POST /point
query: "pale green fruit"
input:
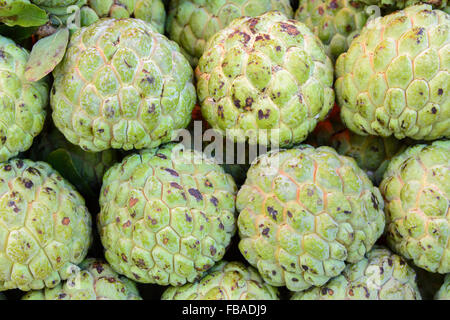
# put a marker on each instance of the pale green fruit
(381, 275)
(122, 85)
(444, 291)
(22, 103)
(45, 227)
(191, 23)
(416, 190)
(151, 11)
(166, 216)
(265, 79)
(394, 79)
(95, 280)
(225, 281)
(335, 22)
(59, 8)
(304, 214)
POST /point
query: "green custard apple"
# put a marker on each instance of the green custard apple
(394, 78)
(22, 103)
(335, 22)
(416, 190)
(191, 23)
(304, 214)
(151, 11)
(45, 227)
(381, 275)
(167, 215)
(265, 79)
(444, 291)
(225, 281)
(83, 169)
(121, 85)
(95, 280)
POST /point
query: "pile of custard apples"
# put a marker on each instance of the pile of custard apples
(347, 102)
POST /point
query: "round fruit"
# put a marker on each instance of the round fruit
(225, 281)
(83, 169)
(382, 275)
(22, 102)
(335, 22)
(304, 213)
(45, 227)
(394, 78)
(167, 215)
(265, 79)
(123, 85)
(416, 190)
(444, 291)
(95, 281)
(151, 11)
(192, 23)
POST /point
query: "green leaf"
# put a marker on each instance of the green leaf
(22, 13)
(46, 54)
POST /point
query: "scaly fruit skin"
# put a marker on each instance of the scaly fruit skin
(265, 78)
(225, 281)
(166, 216)
(192, 23)
(123, 85)
(401, 4)
(45, 227)
(304, 213)
(444, 291)
(335, 22)
(83, 169)
(417, 196)
(394, 78)
(22, 102)
(381, 275)
(151, 11)
(95, 281)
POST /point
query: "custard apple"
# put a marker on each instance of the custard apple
(416, 190)
(304, 213)
(444, 291)
(335, 22)
(394, 79)
(45, 227)
(83, 169)
(372, 153)
(381, 275)
(151, 11)
(122, 85)
(22, 102)
(225, 281)
(95, 280)
(266, 79)
(167, 215)
(191, 23)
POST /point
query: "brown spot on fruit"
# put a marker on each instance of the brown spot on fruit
(132, 202)
(65, 221)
